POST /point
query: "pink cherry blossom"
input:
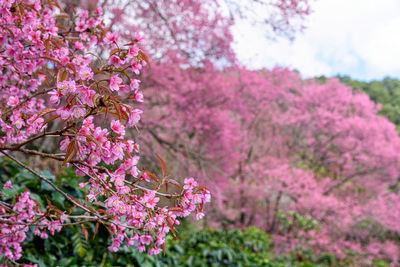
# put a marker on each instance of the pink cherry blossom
(116, 61)
(115, 82)
(190, 183)
(111, 37)
(12, 101)
(117, 127)
(133, 51)
(8, 184)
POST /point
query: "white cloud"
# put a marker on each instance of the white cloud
(355, 37)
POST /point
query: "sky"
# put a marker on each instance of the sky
(359, 38)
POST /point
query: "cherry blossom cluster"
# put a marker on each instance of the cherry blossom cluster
(141, 212)
(16, 220)
(69, 70)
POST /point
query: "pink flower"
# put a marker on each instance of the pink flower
(85, 73)
(140, 247)
(78, 111)
(64, 60)
(154, 251)
(35, 37)
(81, 26)
(7, 185)
(134, 84)
(190, 183)
(115, 245)
(117, 127)
(91, 23)
(83, 36)
(114, 60)
(149, 200)
(198, 215)
(138, 37)
(82, 185)
(133, 51)
(115, 81)
(64, 112)
(54, 226)
(83, 14)
(118, 151)
(136, 67)
(66, 87)
(78, 45)
(13, 101)
(64, 144)
(130, 242)
(134, 117)
(146, 239)
(111, 38)
(207, 196)
(93, 39)
(55, 97)
(160, 241)
(138, 96)
(145, 177)
(87, 96)
(100, 135)
(99, 11)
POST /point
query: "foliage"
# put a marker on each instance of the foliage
(385, 92)
(220, 247)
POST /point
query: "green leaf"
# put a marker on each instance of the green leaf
(79, 244)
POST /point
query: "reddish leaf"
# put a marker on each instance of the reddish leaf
(145, 58)
(52, 118)
(114, 51)
(85, 232)
(52, 59)
(55, 39)
(44, 112)
(47, 46)
(37, 202)
(71, 152)
(118, 109)
(62, 75)
(176, 209)
(171, 226)
(162, 164)
(105, 88)
(96, 228)
(152, 176)
(72, 67)
(62, 15)
(174, 183)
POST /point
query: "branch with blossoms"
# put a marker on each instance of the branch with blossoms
(51, 75)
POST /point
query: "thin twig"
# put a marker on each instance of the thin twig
(50, 183)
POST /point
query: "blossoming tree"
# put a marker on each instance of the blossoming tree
(52, 73)
(307, 162)
(303, 160)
